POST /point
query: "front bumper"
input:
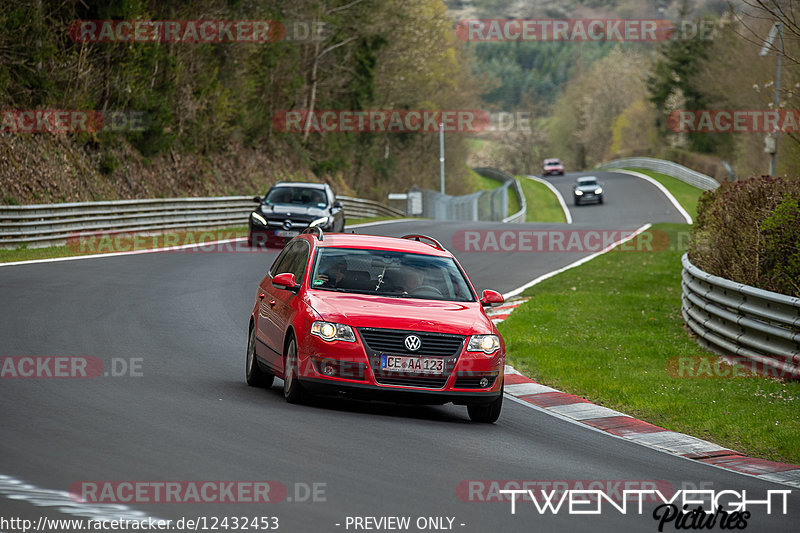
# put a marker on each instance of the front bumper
(353, 369)
(367, 391)
(589, 197)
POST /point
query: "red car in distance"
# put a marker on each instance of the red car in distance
(373, 317)
(552, 166)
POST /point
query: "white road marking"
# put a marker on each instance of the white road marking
(524, 389)
(584, 411)
(677, 443)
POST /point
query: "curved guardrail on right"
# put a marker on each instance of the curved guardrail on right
(687, 175)
(740, 321)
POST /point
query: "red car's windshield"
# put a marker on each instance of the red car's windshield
(390, 273)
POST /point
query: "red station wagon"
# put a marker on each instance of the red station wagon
(384, 318)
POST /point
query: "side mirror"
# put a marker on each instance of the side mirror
(257, 199)
(286, 281)
(491, 298)
(338, 205)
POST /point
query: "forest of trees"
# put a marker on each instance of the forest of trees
(210, 107)
(206, 102)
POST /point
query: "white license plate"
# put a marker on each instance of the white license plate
(286, 233)
(423, 365)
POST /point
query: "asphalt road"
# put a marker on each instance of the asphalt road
(186, 414)
(625, 200)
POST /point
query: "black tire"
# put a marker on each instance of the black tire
(577, 202)
(254, 374)
(486, 413)
(600, 200)
(293, 391)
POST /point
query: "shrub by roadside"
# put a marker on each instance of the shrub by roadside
(749, 231)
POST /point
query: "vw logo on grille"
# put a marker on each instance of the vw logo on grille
(413, 343)
(287, 224)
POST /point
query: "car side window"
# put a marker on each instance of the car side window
(293, 259)
(299, 259)
(283, 259)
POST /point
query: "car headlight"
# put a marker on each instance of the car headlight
(330, 331)
(487, 344)
(598, 190)
(258, 218)
(321, 222)
(578, 192)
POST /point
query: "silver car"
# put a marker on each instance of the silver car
(587, 189)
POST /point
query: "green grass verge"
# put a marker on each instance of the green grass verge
(687, 195)
(542, 204)
(606, 331)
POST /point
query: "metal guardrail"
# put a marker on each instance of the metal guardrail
(669, 168)
(361, 208)
(740, 321)
(52, 224)
(508, 181)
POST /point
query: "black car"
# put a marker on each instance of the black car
(586, 189)
(288, 208)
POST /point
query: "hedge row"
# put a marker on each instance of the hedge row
(749, 231)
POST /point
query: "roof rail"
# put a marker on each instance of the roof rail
(430, 240)
(315, 229)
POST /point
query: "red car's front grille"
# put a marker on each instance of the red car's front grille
(392, 341)
(380, 342)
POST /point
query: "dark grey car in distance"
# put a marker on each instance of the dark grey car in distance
(288, 208)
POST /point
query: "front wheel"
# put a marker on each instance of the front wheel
(256, 377)
(487, 413)
(292, 389)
